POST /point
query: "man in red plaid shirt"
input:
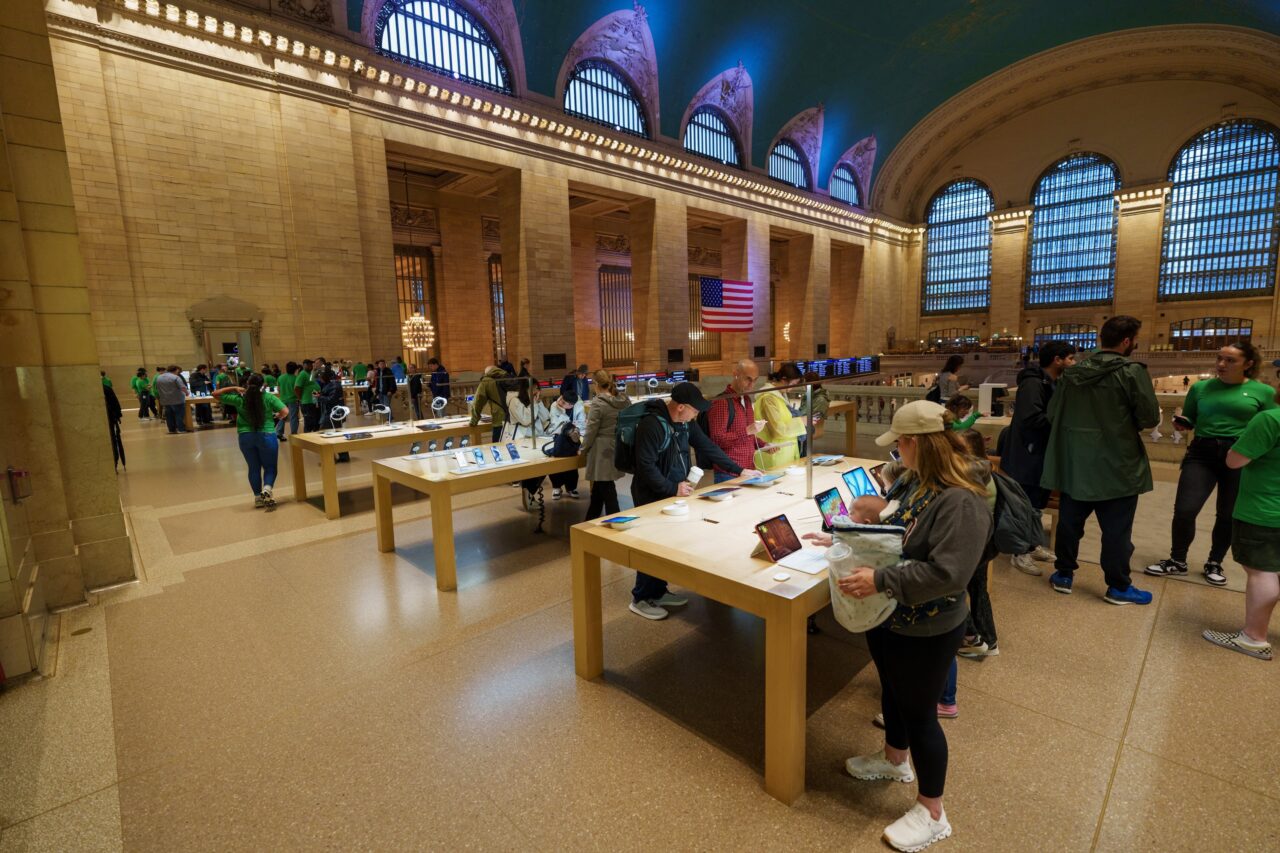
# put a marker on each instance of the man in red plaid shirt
(732, 419)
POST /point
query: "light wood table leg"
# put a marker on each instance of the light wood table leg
(329, 477)
(442, 540)
(785, 662)
(188, 422)
(382, 513)
(588, 628)
(299, 472)
(851, 433)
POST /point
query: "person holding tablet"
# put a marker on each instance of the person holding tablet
(781, 428)
(1218, 409)
(949, 531)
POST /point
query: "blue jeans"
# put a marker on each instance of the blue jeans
(292, 419)
(173, 418)
(721, 476)
(261, 450)
(949, 692)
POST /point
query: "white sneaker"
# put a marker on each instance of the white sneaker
(868, 767)
(555, 494)
(916, 830)
(648, 610)
(1026, 563)
(670, 599)
(1043, 554)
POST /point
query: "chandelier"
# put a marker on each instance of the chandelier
(417, 333)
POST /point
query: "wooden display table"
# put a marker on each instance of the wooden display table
(848, 408)
(432, 478)
(714, 560)
(991, 427)
(405, 434)
(188, 412)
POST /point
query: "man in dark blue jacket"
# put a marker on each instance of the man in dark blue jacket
(439, 381)
(1024, 447)
(662, 441)
(578, 383)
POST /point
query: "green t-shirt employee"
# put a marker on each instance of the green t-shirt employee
(1220, 410)
(234, 397)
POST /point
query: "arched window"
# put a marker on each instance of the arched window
(441, 36)
(843, 186)
(951, 340)
(1209, 333)
(1073, 233)
(1079, 335)
(597, 92)
(1221, 222)
(957, 249)
(708, 134)
(787, 165)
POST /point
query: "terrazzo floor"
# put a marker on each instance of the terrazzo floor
(275, 683)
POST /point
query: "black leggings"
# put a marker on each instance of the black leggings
(982, 622)
(604, 499)
(913, 672)
(1204, 467)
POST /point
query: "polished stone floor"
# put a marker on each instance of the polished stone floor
(274, 683)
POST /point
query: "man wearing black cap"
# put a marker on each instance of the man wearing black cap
(577, 383)
(663, 438)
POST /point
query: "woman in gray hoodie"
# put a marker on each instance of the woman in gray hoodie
(598, 444)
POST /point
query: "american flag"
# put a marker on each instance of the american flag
(727, 306)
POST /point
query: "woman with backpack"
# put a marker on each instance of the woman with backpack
(568, 425)
(948, 533)
(256, 414)
(948, 384)
(598, 443)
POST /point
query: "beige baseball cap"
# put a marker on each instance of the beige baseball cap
(917, 418)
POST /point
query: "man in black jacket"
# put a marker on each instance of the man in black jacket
(662, 441)
(382, 383)
(1023, 458)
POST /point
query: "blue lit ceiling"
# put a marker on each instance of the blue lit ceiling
(877, 67)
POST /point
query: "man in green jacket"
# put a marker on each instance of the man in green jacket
(1095, 456)
(489, 394)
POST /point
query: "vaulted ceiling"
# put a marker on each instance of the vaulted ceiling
(877, 67)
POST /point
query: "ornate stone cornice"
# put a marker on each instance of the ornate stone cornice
(702, 256)
(732, 93)
(623, 40)
(805, 130)
(312, 11)
(1241, 57)
(861, 158)
(414, 217)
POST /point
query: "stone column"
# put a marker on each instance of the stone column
(377, 250)
(744, 256)
(537, 268)
(462, 291)
(54, 424)
(846, 338)
(660, 280)
(1139, 233)
(1009, 235)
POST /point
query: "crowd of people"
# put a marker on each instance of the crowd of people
(1074, 437)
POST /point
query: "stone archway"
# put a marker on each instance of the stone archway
(224, 320)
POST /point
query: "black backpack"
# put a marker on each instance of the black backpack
(704, 418)
(624, 448)
(565, 442)
(1018, 529)
(935, 394)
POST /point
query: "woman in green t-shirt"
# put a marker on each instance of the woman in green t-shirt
(256, 416)
(1218, 409)
(1255, 533)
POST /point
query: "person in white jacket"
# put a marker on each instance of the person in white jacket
(567, 409)
(522, 409)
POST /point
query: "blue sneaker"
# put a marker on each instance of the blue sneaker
(1061, 583)
(1132, 595)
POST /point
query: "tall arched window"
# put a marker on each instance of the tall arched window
(441, 36)
(957, 249)
(1080, 335)
(1072, 252)
(843, 186)
(951, 340)
(708, 134)
(1222, 221)
(597, 92)
(1209, 333)
(786, 164)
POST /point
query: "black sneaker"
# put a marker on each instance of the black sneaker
(1214, 574)
(1168, 567)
